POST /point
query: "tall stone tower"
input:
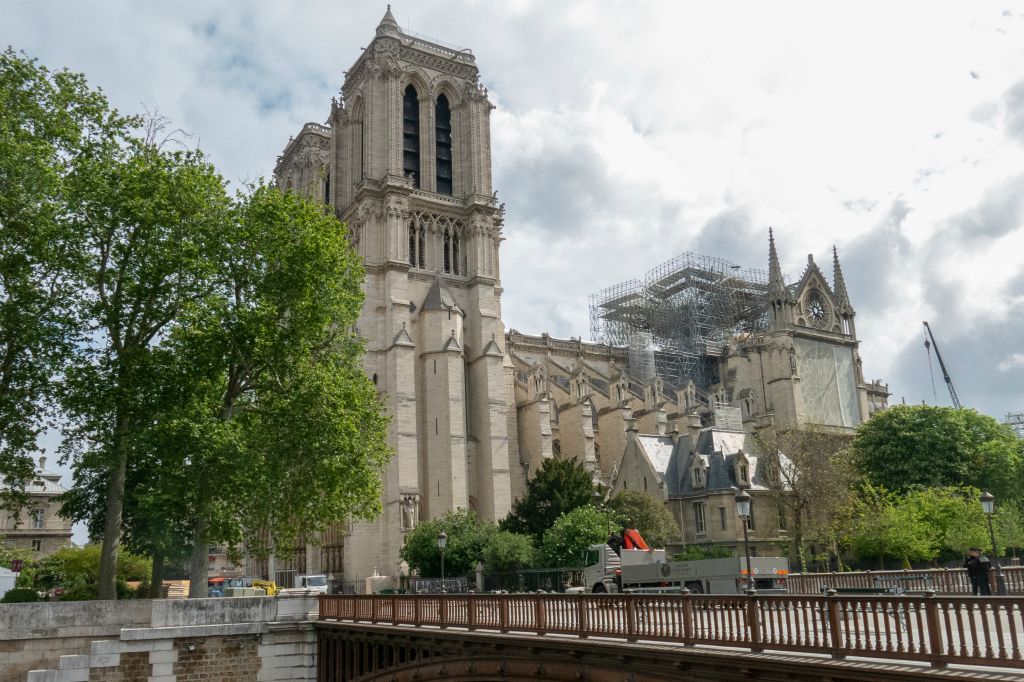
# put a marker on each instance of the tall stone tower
(405, 161)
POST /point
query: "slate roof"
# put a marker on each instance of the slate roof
(659, 451)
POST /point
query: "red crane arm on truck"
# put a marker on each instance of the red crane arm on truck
(631, 539)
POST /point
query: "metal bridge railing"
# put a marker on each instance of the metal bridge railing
(933, 628)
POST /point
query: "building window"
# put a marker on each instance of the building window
(443, 131)
(721, 517)
(753, 512)
(698, 518)
(556, 448)
(698, 476)
(37, 519)
(743, 473)
(450, 243)
(37, 545)
(411, 136)
(417, 258)
(327, 188)
(782, 516)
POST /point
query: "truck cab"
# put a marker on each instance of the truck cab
(316, 582)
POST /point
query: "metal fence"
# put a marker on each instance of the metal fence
(941, 580)
(532, 580)
(937, 629)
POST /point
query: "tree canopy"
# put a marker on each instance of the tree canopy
(926, 446)
(467, 538)
(559, 486)
(51, 126)
(576, 530)
(647, 514)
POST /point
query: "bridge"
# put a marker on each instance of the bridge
(662, 637)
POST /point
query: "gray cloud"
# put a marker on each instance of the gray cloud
(1014, 114)
(1000, 211)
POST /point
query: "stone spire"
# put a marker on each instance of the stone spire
(776, 287)
(839, 284)
(388, 23)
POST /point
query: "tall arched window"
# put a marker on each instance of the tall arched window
(327, 188)
(447, 257)
(411, 136)
(416, 255)
(443, 123)
(412, 246)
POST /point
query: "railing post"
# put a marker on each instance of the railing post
(835, 634)
(538, 613)
(503, 613)
(753, 621)
(471, 612)
(630, 617)
(931, 612)
(442, 610)
(394, 609)
(417, 620)
(688, 628)
(582, 617)
(374, 608)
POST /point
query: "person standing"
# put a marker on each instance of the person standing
(978, 567)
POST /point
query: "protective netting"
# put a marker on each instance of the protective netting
(827, 383)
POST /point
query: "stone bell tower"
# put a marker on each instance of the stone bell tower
(409, 171)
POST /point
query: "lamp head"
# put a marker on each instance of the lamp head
(442, 539)
(988, 502)
(743, 504)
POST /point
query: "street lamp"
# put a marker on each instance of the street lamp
(442, 542)
(596, 497)
(743, 511)
(988, 505)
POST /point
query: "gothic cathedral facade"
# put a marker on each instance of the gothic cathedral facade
(406, 163)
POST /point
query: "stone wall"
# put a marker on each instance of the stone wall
(253, 638)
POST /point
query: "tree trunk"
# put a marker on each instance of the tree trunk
(198, 565)
(156, 581)
(107, 588)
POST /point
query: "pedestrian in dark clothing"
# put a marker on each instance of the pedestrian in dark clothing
(978, 567)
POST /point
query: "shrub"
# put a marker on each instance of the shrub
(20, 595)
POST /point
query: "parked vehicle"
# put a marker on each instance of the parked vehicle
(316, 582)
(649, 571)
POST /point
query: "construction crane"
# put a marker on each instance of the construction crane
(942, 365)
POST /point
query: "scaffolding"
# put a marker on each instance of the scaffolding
(1016, 422)
(681, 316)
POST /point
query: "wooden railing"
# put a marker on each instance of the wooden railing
(937, 629)
(941, 580)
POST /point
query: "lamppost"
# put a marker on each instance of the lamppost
(596, 497)
(442, 542)
(988, 505)
(743, 511)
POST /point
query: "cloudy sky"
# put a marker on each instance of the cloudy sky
(629, 132)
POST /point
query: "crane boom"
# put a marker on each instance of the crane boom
(945, 373)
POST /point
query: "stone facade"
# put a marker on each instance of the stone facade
(404, 159)
(38, 527)
(247, 638)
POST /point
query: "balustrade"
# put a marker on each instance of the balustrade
(939, 629)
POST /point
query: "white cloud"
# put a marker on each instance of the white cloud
(627, 133)
(1013, 361)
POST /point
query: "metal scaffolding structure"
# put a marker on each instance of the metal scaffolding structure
(681, 316)
(1016, 422)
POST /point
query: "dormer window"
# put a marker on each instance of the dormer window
(698, 476)
(743, 473)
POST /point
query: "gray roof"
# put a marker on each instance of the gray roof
(719, 450)
(659, 451)
(440, 298)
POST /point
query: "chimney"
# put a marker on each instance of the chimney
(693, 430)
(630, 424)
(674, 432)
(662, 421)
(42, 464)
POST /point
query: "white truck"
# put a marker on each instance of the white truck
(315, 582)
(647, 570)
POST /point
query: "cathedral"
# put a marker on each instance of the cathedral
(404, 160)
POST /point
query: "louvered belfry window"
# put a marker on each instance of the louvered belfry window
(411, 136)
(443, 129)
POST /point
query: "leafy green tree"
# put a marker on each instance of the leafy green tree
(152, 223)
(952, 516)
(50, 123)
(882, 530)
(559, 486)
(811, 480)
(76, 570)
(507, 551)
(648, 515)
(467, 538)
(1008, 524)
(574, 531)
(932, 447)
